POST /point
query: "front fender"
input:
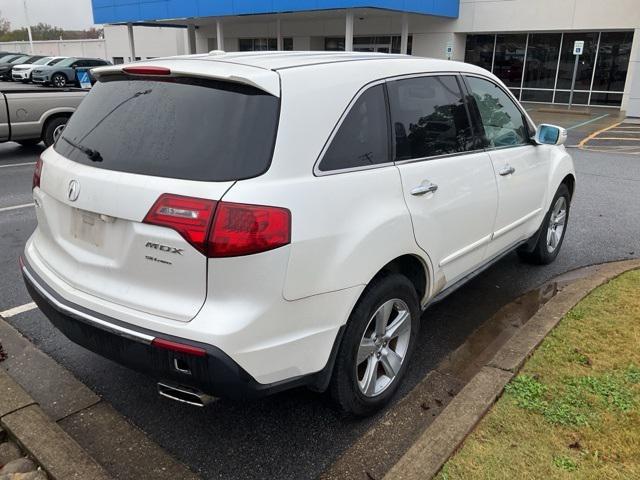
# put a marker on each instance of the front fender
(561, 167)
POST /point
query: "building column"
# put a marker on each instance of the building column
(348, 34)
(191, 39)
(219, 35)
(279, 34)
(132, 42)
(404, 35)
(631, 97)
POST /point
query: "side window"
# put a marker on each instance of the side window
(429, 117)
(503, 122)
(363, 136)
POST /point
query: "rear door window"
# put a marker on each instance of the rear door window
(180, 128)
(429, 117)
(362, 140)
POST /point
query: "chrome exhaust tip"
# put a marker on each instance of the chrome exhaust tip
(183, 394)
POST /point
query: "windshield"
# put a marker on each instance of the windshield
(191, 129)
(42, 61)
(19, 59)
(6, 58)
(66, 62)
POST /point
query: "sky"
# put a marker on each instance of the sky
(68, 14)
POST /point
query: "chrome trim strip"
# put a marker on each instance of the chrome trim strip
(465, 250)
(517, 223)
(124, 332)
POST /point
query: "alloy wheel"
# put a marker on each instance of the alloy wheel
(383, 347)
(57, 132)
(557, 222)
(59, 81)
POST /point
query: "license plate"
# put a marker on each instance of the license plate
(87, 227)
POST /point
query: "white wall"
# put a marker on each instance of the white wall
(67, 48)
(149, 41)
(631, 97)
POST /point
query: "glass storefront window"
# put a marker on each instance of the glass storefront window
(613, 61)
(547, 78)
(585, 63)
(579, 97)
(509, 58)
(542, 60)
(379, 44)
(537, 95)
(479, 50)
(263, 44)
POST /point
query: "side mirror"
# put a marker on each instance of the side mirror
(550, 135)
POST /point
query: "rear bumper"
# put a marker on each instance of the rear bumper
(214, 373)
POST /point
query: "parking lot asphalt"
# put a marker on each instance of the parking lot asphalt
(297, 434)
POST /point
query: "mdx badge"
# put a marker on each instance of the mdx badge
(164, 248)
(73, 190)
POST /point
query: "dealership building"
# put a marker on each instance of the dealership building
(529, 44)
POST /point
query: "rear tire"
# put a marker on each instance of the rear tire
(53, 129)
(552, 232)
(372, 359)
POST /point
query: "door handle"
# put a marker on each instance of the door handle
(507, 170)
(425, 187)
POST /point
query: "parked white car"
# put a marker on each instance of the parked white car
(239, 224)
(22, 73)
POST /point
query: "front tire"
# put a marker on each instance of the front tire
(59, 80)
(376, 347)
(552, 232)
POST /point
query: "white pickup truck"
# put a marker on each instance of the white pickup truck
(33, 115)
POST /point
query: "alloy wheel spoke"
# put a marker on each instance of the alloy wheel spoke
(400, 325)
(382, 318)
(559, 220)
(370, 379)
(391, 362)
(366, 349)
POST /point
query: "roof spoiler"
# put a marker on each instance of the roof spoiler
(266, 80)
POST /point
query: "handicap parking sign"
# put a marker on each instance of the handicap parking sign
(83, 78)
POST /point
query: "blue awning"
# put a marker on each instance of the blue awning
(120, 11)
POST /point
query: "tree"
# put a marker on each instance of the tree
(5, 25)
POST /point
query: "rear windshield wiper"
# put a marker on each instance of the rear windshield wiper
(92, 154)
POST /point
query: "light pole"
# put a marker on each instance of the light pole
(26, 15)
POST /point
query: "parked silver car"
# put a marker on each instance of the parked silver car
(63, 73)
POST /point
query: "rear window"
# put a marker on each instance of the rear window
(190, 129)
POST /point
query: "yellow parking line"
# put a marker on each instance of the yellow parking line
(618, 138)
(595, 134)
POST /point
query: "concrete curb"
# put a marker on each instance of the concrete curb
(444, 436)
(43, 439)
(29, 377)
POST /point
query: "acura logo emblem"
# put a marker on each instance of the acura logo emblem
(73, 191)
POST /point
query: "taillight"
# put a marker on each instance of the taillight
(236, 229)
(188, 216)
(240, 229)
(36, 174)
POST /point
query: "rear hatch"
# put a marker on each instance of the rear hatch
(133, 140)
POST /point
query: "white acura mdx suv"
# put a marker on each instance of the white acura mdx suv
(239, 224)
